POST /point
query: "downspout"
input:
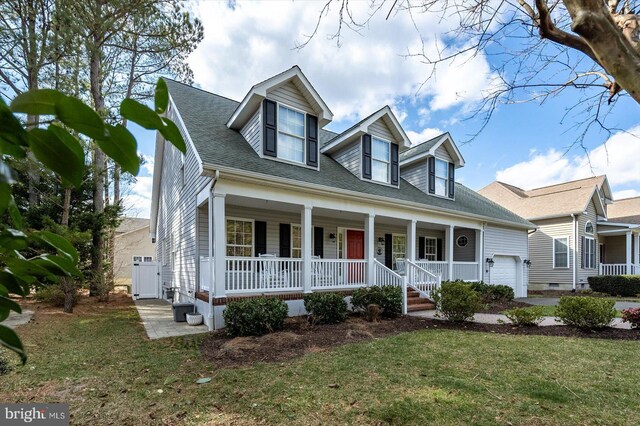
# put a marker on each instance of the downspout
(575, 250)
(216, 176)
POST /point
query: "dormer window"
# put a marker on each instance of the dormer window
(291, 134)
(442, 177)
(380, 160)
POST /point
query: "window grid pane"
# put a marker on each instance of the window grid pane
(296, 241)
(239, 238)
(430, 249)
(398, 249)
(561, 255)
(379, 171)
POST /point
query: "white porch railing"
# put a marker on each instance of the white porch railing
(440, 268)
(258, 275)
(421, 279)
(385, 276)
(338, 273)
(466, 271)
(618, 269)
(204, 273)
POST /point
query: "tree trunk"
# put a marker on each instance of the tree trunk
(66, 207)
(69, 289)
(594, 23)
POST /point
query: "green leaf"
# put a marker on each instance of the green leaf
(10, 340)
(9, 305)
(11, 283)
(59, 243)
(14, 213)
(140, 114)
(203, 380)
(80, 117)
(171, 133)
(122, 148)
(37, 102)
(12, 136)
(12, 239)
(58, 152)
(161, 96)
(27, 269)
(57, 265)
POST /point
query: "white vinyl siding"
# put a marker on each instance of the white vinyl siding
(289, 94)
(350, 157)
(380, 160)
(441, 152)
(561, 252)
(379, 129)
(252, 132)
(417, 175)
(542, 271)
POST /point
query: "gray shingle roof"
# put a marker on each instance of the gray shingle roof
(420, 148)
(205, 116)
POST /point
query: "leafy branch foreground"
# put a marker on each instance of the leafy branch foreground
(59, 148)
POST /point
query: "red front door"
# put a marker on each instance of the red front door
(355, 250)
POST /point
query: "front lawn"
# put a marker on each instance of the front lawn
(99, 361)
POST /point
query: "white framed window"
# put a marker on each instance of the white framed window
(462, 241)
(588, 228)
(142, 258)
(561, 252)
(291, 134)
(398, 248)
(442, 177)
(239, 237)
(431, 248)
(137, 259)
(589, 253)
(296, 241)
(380, 160)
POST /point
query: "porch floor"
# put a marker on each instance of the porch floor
(157, 318)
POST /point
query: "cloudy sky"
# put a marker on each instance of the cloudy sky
(527, 145)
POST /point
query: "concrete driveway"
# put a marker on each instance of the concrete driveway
(553, 301)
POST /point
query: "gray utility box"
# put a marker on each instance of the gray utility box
(180, 310)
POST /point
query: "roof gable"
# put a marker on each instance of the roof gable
(254, 97)
(428, 148)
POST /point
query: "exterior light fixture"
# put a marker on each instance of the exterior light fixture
(490, 261)
(527, 263)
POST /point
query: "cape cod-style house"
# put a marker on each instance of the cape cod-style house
(582, 231)
(267, 201)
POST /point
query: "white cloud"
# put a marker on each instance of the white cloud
(424, 135)
(137, 196)
(626, 193)
(617, 158)
(256, 40)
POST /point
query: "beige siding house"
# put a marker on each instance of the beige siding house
(132, 244)
(581, 232)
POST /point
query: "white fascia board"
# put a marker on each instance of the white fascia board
(598, 201)
(260, 178)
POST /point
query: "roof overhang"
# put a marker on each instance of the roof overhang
(606, 190)
(254, 98)
(596, 197)
(452, 148)
(362, 127)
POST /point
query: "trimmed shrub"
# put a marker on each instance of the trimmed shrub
(491, 293)
(525, 316)
(326, 308)
(51, 295)
(632, 315)
(255, 317)
(590, 313)
(388, 298)
(457, 301)
(616, 285)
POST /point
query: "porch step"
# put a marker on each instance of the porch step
(417, 303)
(424, 306)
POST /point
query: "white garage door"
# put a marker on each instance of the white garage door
(504, 271)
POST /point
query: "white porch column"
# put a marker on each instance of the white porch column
(305, 221)
(448, 235)
(369, 248)
(480, 251)
(636, 252)
(219, 245)
(628, 257)
(411, 240)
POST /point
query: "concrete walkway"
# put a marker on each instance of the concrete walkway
(157, 317)
(15, 319)
(553, 301)
(499, 318)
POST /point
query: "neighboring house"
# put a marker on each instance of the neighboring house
(582, 231)
(132, 244)
(267, 201)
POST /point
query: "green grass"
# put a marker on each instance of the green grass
(103, 366)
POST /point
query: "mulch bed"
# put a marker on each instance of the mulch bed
(498, 308)
(299, 337)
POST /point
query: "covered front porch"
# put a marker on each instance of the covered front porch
(619, 250)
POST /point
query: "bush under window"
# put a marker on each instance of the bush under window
(255, 317)
(457, 301)
(326, 308)
(491, 293)
(616, 285)
(388, 297)
(590, 313)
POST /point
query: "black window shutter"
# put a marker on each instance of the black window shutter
(388, 250)
(452, 180)
(285, 240)
(394, 164)
(261, 238)
(421, 254)
(439, 253)
(270, 128)
(432, 175)
(366, 156)
(312, 141)
(583, 255)
(318, 241)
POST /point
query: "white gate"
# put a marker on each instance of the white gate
(146, 280)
